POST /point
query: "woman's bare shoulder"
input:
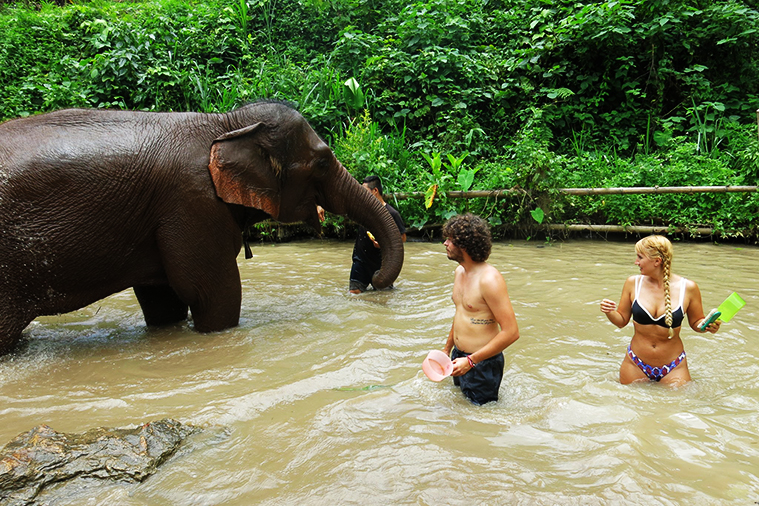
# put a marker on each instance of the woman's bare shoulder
(689, 284)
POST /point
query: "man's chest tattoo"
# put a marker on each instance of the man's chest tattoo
(481, 321)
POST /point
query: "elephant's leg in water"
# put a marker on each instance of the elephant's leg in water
(12, 323)
(160, 305)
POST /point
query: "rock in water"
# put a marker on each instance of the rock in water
(43, 457)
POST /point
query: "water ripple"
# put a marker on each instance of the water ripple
(320, 396)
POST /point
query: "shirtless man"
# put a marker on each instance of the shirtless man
(484, 324)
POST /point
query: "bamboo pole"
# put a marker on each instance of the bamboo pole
(659, 189)
(637, 229)
(590, 191)
(458, 195)
(605, 229)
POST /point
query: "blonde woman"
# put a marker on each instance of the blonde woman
(657, 300)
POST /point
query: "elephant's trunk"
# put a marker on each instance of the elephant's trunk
(347, 197)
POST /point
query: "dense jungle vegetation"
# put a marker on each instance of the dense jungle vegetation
(440, 95)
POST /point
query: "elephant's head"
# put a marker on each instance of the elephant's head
(278, 164)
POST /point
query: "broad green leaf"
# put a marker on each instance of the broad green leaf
(429, 196)
(354, 97)
(465, 180)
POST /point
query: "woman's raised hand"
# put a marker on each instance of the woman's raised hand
(608, 306)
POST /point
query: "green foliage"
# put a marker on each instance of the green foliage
(728, 213)
(439, 95)
(466, 176)
(354, 96)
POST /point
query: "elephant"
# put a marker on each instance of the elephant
(93, 202)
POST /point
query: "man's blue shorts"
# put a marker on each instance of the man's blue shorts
(480, 385)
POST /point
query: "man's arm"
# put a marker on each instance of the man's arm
(398, 222)
(496, 296)
(456, 281)
(449, 342)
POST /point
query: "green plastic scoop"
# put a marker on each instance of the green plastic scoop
(730, 306)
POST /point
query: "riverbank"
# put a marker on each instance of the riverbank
(273, 232)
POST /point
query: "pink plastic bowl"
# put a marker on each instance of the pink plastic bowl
(437, 365)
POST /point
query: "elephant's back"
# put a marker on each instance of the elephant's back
(84, 134)
(82, 190)
(76, 148)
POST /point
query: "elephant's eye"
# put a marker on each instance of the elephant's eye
(320, 167)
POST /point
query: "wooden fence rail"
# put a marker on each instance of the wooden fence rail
(601, 229)
(604, 229)
(588, 191)
(630, 229)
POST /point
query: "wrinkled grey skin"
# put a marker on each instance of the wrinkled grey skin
(93, 202)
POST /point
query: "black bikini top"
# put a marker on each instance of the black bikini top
(641, 315)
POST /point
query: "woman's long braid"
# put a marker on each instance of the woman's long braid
(667, 297)
(657, 246)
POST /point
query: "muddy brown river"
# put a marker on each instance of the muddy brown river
(318, 397)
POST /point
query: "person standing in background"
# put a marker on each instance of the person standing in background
(367, 256)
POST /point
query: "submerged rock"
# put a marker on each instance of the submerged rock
(43, 457)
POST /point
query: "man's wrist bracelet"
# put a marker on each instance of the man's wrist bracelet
(471, 363)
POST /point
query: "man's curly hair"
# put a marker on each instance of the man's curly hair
(470, 233)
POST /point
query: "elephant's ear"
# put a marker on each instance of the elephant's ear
(242, 172)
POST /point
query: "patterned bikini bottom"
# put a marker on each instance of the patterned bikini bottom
(655, 373)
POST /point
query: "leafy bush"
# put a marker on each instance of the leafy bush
(455, 94)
